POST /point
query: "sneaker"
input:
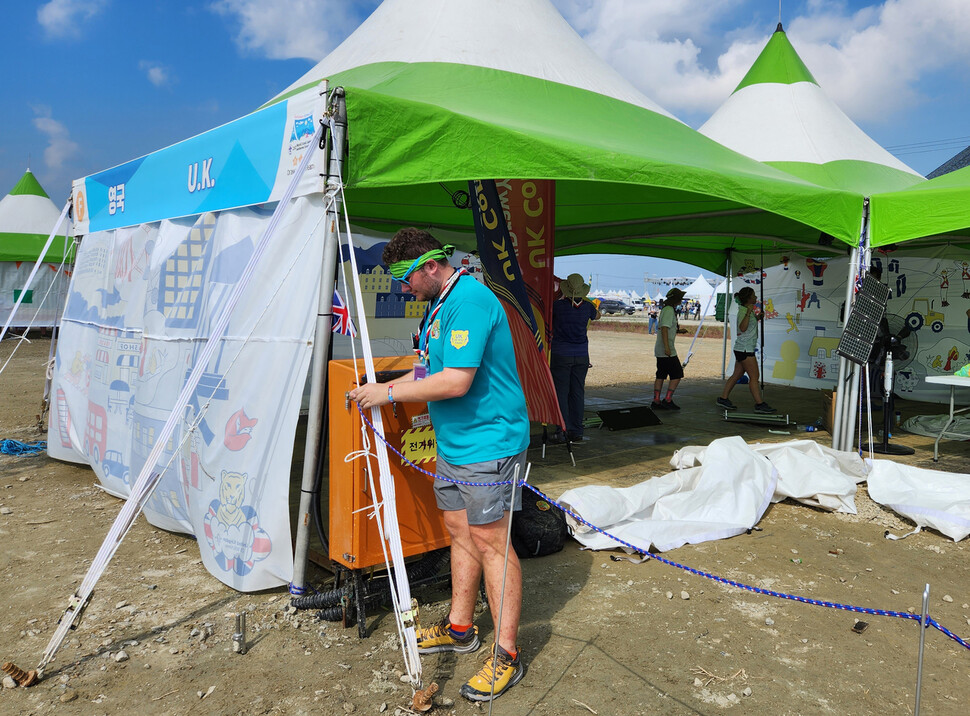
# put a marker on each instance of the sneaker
(657, 405)
(726, 404)
(557, 438)
(669, 405)
(440, 637)
(505, 671)
(764, 408)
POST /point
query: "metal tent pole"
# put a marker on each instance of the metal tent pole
(321, 344)
(839, 428)
(727, 322)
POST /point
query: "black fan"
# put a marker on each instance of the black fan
(896, 346)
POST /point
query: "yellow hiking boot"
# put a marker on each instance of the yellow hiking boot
(440, 637)
(505, 671)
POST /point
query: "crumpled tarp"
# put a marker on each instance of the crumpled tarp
(719, 491)
(929, 498)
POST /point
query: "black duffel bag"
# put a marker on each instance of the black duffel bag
(539, 528)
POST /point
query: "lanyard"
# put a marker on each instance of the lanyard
(429, 314)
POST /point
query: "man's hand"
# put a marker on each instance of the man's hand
(370, 395)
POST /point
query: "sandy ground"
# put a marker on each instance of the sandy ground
(599, 636)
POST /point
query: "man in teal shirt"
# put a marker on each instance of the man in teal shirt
(481, 427)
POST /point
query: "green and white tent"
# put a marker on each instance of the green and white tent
(438, 93)
(442, 92)
(27, 217)
(780, 115)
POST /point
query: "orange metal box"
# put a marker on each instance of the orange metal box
(354, 538)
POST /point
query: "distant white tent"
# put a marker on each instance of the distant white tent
(701, 291)
(27, 217)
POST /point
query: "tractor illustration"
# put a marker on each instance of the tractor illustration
(924, 313)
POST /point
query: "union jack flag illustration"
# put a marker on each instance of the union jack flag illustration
(342, 322)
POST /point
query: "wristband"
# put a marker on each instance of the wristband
(390, 395)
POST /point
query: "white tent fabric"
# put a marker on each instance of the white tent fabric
(793, 123)
(930, 498)
(533, 40)
(807, 472)
(718, 491)
(781, 116)
(716, 500)
(28, 212)
(702, 291)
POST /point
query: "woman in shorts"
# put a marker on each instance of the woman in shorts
(744, 346)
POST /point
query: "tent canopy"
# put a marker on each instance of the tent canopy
(27, 217)
(780, 115)
(937, 210)
(445, 91)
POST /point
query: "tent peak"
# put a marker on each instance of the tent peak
(28, 184)
(779, 28)
(778, 63)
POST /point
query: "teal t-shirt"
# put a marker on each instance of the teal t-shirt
(490, 421)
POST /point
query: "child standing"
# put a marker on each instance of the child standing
(744, 360)
(668, 364)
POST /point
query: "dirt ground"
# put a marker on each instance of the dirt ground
(599, 636)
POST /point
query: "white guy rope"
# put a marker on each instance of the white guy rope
(401, 593)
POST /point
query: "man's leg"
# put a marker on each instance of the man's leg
(560, 369)
(491, 540)
(466, 568)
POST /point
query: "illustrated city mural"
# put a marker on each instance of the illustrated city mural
(138, 315)
(929, 292)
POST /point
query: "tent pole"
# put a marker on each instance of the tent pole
(727, 322)
(321, 351)
(839, 427)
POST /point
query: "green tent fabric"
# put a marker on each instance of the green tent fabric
(781, 116)
(936, 212)
(27, 216)
(631, 179)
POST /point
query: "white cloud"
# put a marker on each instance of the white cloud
(62, 18)
(60, 147)
(870, 61)
(286, 29)
(157, 74)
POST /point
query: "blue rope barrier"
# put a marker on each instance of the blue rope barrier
(15, 447)
(930, 622)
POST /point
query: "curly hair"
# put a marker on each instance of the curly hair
(409, 243)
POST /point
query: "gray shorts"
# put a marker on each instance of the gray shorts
(482, 504)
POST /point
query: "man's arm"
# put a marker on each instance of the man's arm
(665, 335)
(448, 383)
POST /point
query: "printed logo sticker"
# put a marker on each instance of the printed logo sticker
(459, 339)
(435, 332)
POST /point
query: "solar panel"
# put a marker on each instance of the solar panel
(862, 327)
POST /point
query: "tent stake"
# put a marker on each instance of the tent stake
(922, 640)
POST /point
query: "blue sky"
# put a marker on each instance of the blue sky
(93, 83)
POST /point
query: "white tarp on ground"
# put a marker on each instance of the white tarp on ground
(719, 491)
(142, 303)
(809, 473)
(721, 499)
(929, 498)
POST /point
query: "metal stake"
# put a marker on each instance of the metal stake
(239, 636)
(922, 639)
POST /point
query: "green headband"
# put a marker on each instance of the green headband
(402, 269)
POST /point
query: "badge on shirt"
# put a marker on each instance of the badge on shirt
(459, 339)
(435, 332)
